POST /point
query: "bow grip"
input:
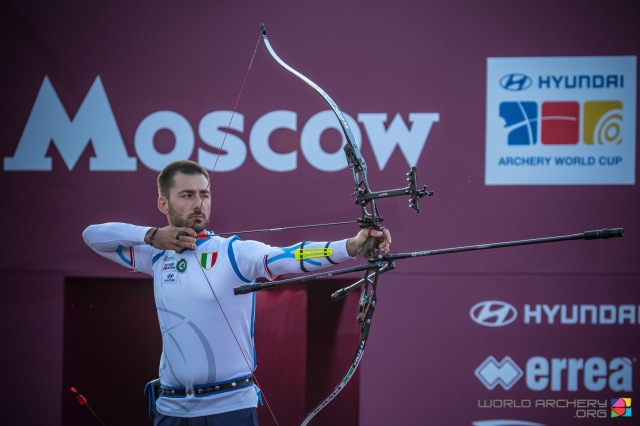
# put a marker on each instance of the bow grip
(368, 247)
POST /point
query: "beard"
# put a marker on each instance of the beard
(198, 225)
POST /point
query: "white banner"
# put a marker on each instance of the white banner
(561, 121)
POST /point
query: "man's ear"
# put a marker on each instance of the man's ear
(163, 205)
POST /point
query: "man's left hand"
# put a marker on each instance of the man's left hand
(383, 236)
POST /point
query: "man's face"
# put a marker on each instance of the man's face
(189, 203)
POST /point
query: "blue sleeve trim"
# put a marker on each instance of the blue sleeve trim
(157, 256)
(232, 260)
(121, 256)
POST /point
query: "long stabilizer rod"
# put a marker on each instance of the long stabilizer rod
(589, 235)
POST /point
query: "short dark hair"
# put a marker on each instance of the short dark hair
(187, 167)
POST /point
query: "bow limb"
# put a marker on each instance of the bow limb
(357, 163)
(354, 158)
(368, 220)
(367, 307)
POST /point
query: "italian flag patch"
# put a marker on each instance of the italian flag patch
(207, 260)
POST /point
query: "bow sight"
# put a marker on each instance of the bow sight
(362, 197)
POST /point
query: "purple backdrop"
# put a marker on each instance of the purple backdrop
(402, 57)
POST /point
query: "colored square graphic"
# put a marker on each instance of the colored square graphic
(603, 122)
(560, 123)
(521, 120)
(621, 407)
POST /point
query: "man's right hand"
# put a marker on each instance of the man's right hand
(169, 238)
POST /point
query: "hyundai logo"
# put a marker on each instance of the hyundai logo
(516, 82)
(493, 313)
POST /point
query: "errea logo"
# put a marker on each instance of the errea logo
(559, 374)
(493, 373)
(493, 313)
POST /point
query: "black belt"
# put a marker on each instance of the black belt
(206, 389)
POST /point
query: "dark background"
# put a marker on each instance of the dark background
(70, 318)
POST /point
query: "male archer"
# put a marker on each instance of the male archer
(206, 366)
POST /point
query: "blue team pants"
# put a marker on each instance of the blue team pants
(246, 417)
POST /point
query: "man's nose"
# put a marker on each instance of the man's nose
(198, 200)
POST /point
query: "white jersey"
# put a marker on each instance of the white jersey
(198, 346)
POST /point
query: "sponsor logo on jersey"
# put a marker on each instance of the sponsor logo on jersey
(182, 265)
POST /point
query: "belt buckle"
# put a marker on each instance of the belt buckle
(190, 391)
